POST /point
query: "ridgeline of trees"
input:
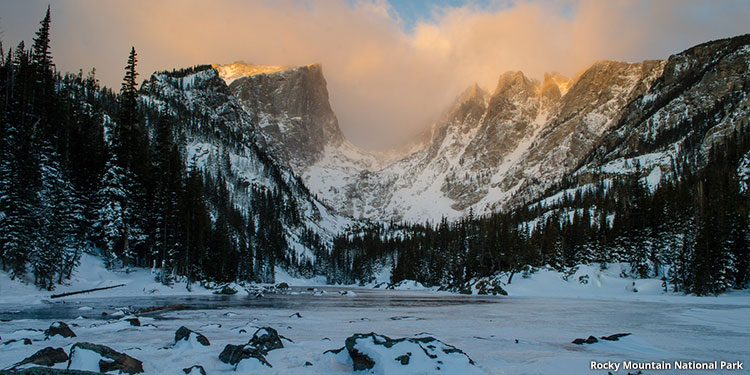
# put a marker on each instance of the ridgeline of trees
(86, 169)
(691, 232)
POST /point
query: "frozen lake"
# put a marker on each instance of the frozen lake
(486, 328)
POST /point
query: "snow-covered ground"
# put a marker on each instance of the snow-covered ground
(543, 312)
(92, 274)
(485, 328)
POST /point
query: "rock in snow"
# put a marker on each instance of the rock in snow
(26, 341)
(592, 339)
(264, 340)
(184, 333)
(59, 328)
(381, 354)
(47, 371)
(195, 370)
(48, 356)
(92, 357)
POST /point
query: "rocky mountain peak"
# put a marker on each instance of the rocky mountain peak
(290, 106)
(511, 85)
(554, 86)
(472, 93)
(238, 69)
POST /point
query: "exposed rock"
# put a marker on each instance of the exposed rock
(26, 341)
(226, 290)
(195, 370)
(59, 328)
(114, 359)
(266, 339)
(46, 371)
(282, 286)
(48, 356)
(183, 333)
(363, 354)
(492, 286)
(292, 104)
(134, 322)
(263, 341)
(615, 337)
(589, 340)
(233, 354)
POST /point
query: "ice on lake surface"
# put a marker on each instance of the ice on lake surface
(485, 328)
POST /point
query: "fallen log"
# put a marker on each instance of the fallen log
(161, 308)
(85, 291)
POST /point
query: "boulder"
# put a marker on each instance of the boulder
(110, 358)
(26, 341)
(46, 371)
(282, 286)
(233, 354)
(589, 340)
(183, 333)
(490, 287)
(48, 356)
(419, 354)
(135, 322)
(226, 290)
(195, 370)
(614, 337)
(59, 328)
(266, 339)
(263, 341)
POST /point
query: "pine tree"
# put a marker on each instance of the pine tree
(41, 55)
(128, 112)
(56, 214)
(44, 98)
(112, 224)
(166, 171)
(16, 209)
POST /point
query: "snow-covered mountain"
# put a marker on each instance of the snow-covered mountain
(218, 136)
(493, 149)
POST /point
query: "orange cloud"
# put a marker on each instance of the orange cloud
(385, 83)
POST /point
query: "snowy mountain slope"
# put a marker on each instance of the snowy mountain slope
(699, 100)
(291, 110)
(496, 149)
(702, 96)
(219, 137)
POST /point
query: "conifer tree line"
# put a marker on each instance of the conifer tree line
(692, 232)
(86, 169)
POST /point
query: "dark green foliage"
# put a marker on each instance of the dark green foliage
(691, 232)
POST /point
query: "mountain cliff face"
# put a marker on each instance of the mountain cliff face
(219, 135)
(290, 107)
(498, 149)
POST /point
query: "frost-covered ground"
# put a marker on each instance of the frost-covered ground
(543, 312)
(485, 328)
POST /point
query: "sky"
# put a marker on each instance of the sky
(391, 66)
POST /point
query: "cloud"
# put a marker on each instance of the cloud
(385, 83)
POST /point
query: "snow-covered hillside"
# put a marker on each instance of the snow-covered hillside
(225, 146)
(497, 149)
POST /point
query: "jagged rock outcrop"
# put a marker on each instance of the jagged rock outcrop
(420, 354)
(291, 108)
(496, 149)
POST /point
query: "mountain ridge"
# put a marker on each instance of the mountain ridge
(488, 151)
